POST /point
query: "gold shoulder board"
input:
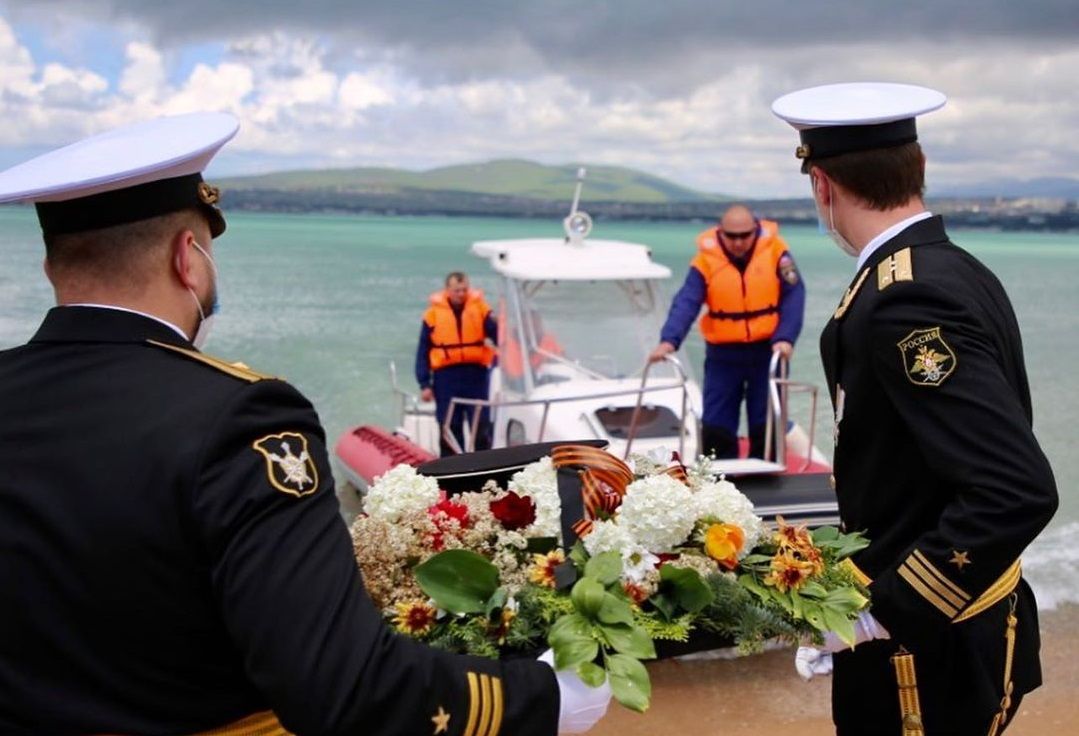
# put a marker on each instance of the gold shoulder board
(896, 267)
(236, 370)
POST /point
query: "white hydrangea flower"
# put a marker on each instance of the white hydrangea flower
(722, 499)
(657, 512)
(539, 481)
(606, 536)
(400, 491)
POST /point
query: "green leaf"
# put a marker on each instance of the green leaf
(796, 606)
(813, 589)
(496, 603)
(664, 605)
(631, 640)
(840, 624)
(458, 581)
(572, 642)
(756, 559)
(814, 615)
(614, 610)
(824, 534)
(605, 567)
(591, 674)
(578, 555)
(629, 682)
(846, 600)
(751, 584)
(687, 587)
(587, 597)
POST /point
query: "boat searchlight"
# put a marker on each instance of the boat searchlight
(578, 224)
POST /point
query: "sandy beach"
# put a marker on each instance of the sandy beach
(763, 695)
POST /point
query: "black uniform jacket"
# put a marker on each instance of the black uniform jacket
(173, 558)
(936, 461)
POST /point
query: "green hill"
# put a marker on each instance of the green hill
(504, 178)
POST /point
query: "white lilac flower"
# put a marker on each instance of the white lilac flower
(722, 500)
(539, 481)
(400, 491)
(606, 536)
(657, 512)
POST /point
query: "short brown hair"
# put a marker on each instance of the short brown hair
(120, 255)
(883, 178)
(456, 276)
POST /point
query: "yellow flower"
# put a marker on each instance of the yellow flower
(789, 573)
(503, 626)
(414, 617)
(723, 542)
(542, 572)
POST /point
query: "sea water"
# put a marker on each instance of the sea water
(328, 301)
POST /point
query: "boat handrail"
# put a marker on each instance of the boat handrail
(779, 389)
(406, 401)
(632, 433)
(473, 426)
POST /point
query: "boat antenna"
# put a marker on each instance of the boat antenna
(578, 224)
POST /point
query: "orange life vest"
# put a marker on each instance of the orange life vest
(510, 355)
(450, 346)
(742, 307)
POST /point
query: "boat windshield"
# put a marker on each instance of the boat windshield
(580, 330)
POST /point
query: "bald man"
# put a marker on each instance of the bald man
(745, 275)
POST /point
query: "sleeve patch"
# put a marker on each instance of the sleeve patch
(289, 466)
(787, 270)
(927, 358)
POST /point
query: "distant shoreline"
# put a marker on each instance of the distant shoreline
(1005, 214)
(996, 214)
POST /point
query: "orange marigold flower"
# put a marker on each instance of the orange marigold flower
(723, 542)
(414, 617)
(542, 572)
(789, 573)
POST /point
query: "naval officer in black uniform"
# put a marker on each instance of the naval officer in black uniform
(173, 560)
(935, 458)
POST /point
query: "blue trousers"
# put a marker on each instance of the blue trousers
(464, 381)
(733, 373)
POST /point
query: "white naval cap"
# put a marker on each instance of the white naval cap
(126, 174)
(841, 118)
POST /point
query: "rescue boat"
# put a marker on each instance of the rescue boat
(577, 317)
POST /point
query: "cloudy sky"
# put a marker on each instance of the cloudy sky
(678, 88)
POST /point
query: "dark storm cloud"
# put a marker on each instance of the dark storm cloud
(657, 47)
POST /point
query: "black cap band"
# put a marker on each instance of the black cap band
(132, 204)
(833, 140)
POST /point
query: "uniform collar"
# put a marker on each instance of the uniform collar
(874, 244)
(102, 323)
(916, 232)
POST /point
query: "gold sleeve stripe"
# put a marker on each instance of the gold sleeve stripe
(485, 705)
(995, 593)
(926, 577)
(856, 571)
(473, 704)
(915, 582)
(234, 370)
(257, 724)
(917, 554)
(497, 707)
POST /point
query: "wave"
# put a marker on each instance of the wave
(1051, 566)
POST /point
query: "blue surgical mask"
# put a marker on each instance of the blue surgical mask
(829, 227)
(206, 320)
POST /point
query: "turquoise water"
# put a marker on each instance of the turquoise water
(327, 301)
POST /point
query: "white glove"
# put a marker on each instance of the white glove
(580, 705)
(810, 661)
(866, 628)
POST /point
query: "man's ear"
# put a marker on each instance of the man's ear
(183, 263)
(822, 184)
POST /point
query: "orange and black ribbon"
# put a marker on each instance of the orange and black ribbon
(603, 479)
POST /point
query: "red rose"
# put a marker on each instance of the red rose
(449, 510)
(513, 511)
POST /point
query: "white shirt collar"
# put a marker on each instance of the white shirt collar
(887, 235)
(168, 324)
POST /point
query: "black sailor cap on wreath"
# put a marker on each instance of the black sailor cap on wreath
(834, 119)
(124, 175)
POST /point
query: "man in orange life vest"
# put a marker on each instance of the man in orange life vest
(743, 272)
(453, 358)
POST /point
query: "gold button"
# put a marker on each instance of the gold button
(831, 481)
(912, 722)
